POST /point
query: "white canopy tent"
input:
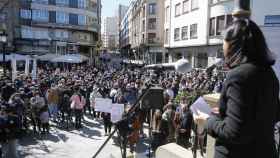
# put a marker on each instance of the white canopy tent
(17, 57)
(14, 58)
(70, 58)
(136, 62)
(47, 57)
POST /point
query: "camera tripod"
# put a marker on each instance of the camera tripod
(122, 126)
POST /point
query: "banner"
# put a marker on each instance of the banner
(117, 112)
(103, 105)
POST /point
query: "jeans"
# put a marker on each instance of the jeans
(53, 110)
(9, 149)
(78, 118)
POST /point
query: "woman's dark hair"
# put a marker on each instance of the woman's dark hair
(246, 41)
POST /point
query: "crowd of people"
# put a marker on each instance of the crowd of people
(63, 98)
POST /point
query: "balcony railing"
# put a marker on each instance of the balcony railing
(94, 27)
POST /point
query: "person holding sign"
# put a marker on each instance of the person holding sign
(249, 103)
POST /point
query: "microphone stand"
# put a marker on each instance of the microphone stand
(126, 117)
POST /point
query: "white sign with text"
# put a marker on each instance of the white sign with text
(103, 105)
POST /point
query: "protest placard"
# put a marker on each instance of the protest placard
(103, 105)
(117, 112)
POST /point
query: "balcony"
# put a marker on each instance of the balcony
(93, 28)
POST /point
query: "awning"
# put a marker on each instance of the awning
(47, 57)
(14, 56)
(136, 62)
(70, 58)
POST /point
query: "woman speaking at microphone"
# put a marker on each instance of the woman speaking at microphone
(249, 105)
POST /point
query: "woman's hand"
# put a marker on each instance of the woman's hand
(201, 118)
(216, 111)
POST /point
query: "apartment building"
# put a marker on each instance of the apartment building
(111, 35)
(124, 34)
(144, 23)
(56, 26)
(194, 28)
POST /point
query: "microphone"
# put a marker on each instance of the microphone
(182, 66)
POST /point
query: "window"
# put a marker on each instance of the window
(194, 4)
(166, 36)
(143, 25)
(272, 19)
(152, 8)
(201, 60)
(229, 20)
(186, 6)
(152, 23)
(151, 38)
(62, 2)
(184, 33)
(41, 1)
(25, 14)
(220, 53)
(82, 4)
(81, 19)
(212, 26)
(177, 34)
(36, 33)
(178, 9)
(39, 33)
(193, 31)
(26, 32)
(167, 13)
(61, 34)
(40, 15)
(220, 25)
(62, 17)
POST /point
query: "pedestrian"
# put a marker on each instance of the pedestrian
(53, 100)
(184, 127)
(107, 123)
(44, 118)
(77, 104)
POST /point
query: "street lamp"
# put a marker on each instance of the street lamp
(3, 40)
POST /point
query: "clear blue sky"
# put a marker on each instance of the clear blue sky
(109, 7)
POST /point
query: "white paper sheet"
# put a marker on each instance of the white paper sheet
(117, 112)
(103, 105)
(201, 105)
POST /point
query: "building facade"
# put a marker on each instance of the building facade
(143, 27)
(124, 43)
(56, 26)
(122, 10)
(194, 28)
(111, 35)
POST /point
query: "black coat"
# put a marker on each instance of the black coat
(249, 109)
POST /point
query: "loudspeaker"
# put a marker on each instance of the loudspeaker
(153, 99)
